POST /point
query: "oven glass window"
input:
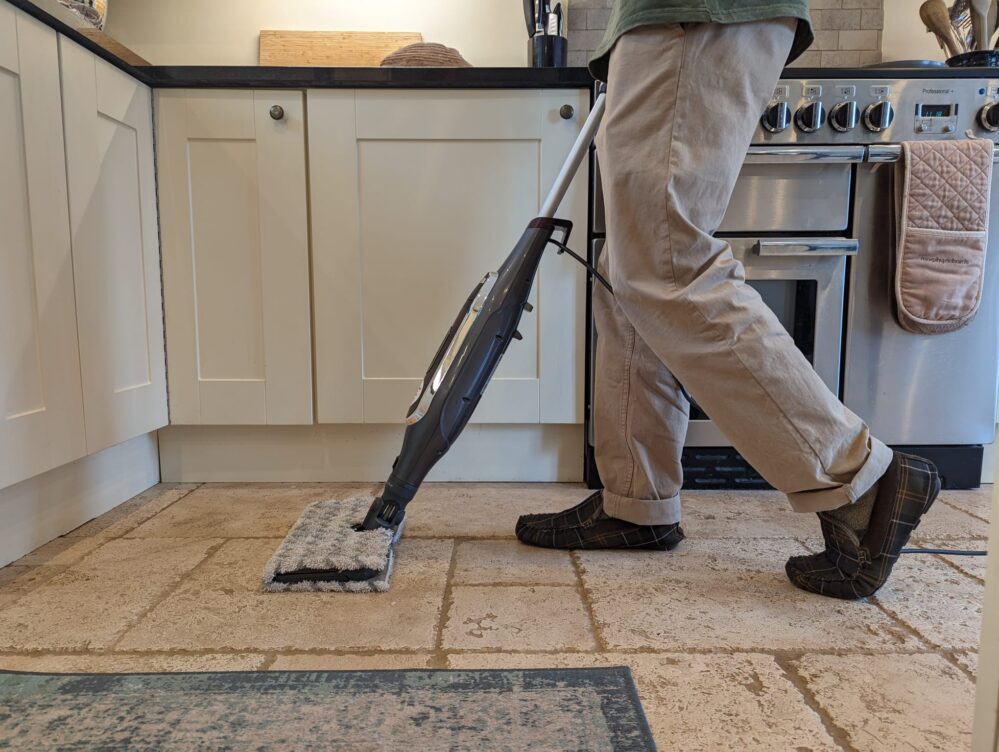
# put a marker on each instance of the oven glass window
(794, 303)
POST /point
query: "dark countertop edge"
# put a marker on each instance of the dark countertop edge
(234, 77)
(257, 77)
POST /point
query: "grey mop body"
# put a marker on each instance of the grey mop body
(340, 546)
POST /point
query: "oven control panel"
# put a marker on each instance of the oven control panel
(830, 111)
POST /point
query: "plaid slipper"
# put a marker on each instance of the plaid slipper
(852, 567)
(585, 526)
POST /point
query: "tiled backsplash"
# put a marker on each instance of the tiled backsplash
(847, 32)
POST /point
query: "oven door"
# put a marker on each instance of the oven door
(802, 279)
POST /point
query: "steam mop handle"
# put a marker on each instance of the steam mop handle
(576, 155)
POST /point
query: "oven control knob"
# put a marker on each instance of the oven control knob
(777, 117)
(844, 116)
(878, 116)
(811, 117)
(988, 116)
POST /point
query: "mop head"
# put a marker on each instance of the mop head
(326, 538)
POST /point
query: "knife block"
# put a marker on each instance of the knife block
(545, 51)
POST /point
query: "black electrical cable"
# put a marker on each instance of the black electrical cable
(946, 551)
(563, 248)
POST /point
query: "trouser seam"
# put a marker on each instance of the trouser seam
(626, 408)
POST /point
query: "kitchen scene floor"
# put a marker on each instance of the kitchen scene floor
(727, 655)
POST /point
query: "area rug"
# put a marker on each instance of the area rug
(541, 709)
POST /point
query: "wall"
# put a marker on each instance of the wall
(486, 32)
(905, 38)
(225, 32)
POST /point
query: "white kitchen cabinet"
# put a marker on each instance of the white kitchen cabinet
(41, 404)
(415, 195)
(112, 209)
(234, 228)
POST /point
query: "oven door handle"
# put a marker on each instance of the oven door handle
(807, 247)
(785, 154)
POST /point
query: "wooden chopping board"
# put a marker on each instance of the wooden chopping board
(351, 49)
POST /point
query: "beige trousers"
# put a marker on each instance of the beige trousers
(682, 104)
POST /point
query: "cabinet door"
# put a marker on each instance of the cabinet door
(41, 406)
(415, 196)
(112, 208)
(235, 256)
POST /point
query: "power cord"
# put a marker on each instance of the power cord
(946, 551)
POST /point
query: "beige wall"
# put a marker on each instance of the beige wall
(225, 32)
(904, 36)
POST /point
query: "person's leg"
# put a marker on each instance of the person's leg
(682, 106)
(640, 420)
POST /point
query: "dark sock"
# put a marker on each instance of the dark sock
(856, 516)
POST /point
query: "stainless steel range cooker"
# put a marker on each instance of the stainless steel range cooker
(811, 220)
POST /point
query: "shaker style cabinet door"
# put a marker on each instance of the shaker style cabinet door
(41, 405)
(416, 195)
(234, 228)
(112, 208)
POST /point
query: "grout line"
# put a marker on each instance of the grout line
(965, 511)
(956, 568)
(584, 594)
(438, 657)
(170, 590)
(839, 735)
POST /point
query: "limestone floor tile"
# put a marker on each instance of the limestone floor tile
(943, 605)
(223, 607)
(18, 579)
(743, 514)
(484, 510)
(243, 510)
(977, 501)
(972, 565)
(747, 611)
(887, 702)
(969, 660)
(350, 662)
(60, 552)
(487, 562)
(90, 604)
(517, 618)
(700, 559)
(714, 703)
(945, 522)
(108, 663)
(133, 512)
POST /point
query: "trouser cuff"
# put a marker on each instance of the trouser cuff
(643, 511)
(827, 499)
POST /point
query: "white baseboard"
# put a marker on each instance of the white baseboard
(540, 453)
(39, 509)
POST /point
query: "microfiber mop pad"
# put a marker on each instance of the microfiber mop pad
(326, 538)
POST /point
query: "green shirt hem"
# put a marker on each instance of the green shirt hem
(802, 39)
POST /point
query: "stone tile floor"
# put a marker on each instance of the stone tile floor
(726, 653)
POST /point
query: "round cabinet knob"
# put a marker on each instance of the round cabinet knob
(878, 116)
(844, 116)
(277, 112)
(566, 112)
(988, 116)
(811, 117)
(776, 118)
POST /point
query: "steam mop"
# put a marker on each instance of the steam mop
(337, 545)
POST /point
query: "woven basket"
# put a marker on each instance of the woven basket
(425, 55)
